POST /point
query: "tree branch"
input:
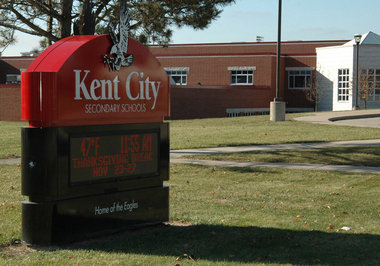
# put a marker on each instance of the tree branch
(37, 30)
(45, 9)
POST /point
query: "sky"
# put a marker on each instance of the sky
(246, 19)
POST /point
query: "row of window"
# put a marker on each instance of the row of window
(302, 79)
(238, 77)
(297, 79)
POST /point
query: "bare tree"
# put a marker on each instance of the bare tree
(6, 38)
(366, 84)
(317, 92)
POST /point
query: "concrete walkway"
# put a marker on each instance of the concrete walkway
(10, 161)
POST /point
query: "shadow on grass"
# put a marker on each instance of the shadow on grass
(245, 244)
(355, 156)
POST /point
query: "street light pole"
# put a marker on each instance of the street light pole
(357, 41)
(278, 98)
(277, 106)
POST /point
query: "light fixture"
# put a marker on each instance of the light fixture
(357, 37)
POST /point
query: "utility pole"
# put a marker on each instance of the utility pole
(277, 107)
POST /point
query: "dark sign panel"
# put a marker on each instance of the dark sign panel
(66, 162)
(100, 158)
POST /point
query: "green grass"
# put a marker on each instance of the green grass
(10, 139)
(356, 156)
(10, 203)
(219, 132)
(229, 217)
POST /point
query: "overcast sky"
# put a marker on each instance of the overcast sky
(243, 21)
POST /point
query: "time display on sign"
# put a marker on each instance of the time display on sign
(97, 158)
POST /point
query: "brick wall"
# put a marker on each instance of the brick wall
(10, 102)
(205, 102)
(186, 102)
(213, 71)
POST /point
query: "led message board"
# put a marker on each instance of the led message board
(103, 157)
(69, 162)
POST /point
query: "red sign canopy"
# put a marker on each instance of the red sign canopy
(70, 84)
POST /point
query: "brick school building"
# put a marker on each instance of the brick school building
(211, 80)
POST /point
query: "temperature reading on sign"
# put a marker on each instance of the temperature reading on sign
(89, 144)
(112, 156)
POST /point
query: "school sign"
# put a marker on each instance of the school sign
(96, 151)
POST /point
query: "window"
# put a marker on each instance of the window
(242, 75)
(343, 85)
(178, 75)
(370, 84)
(299, 79)
(13, 79)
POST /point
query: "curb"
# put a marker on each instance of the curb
(349, 117)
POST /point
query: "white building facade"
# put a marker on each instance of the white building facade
(336, 75)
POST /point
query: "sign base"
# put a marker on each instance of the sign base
(277, 111)
(81, 218)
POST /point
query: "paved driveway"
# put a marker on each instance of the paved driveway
(359, 118)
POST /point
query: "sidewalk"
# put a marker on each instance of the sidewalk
(10, 161)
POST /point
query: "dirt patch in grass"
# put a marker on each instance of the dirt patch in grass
(178, 224)
(16, 250)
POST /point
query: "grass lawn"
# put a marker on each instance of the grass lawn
(219, 132)
(356, 156)
(10, 139)
(228, 217)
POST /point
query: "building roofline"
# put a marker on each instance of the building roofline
(233, 55)
(246, 43)
(17, 57)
